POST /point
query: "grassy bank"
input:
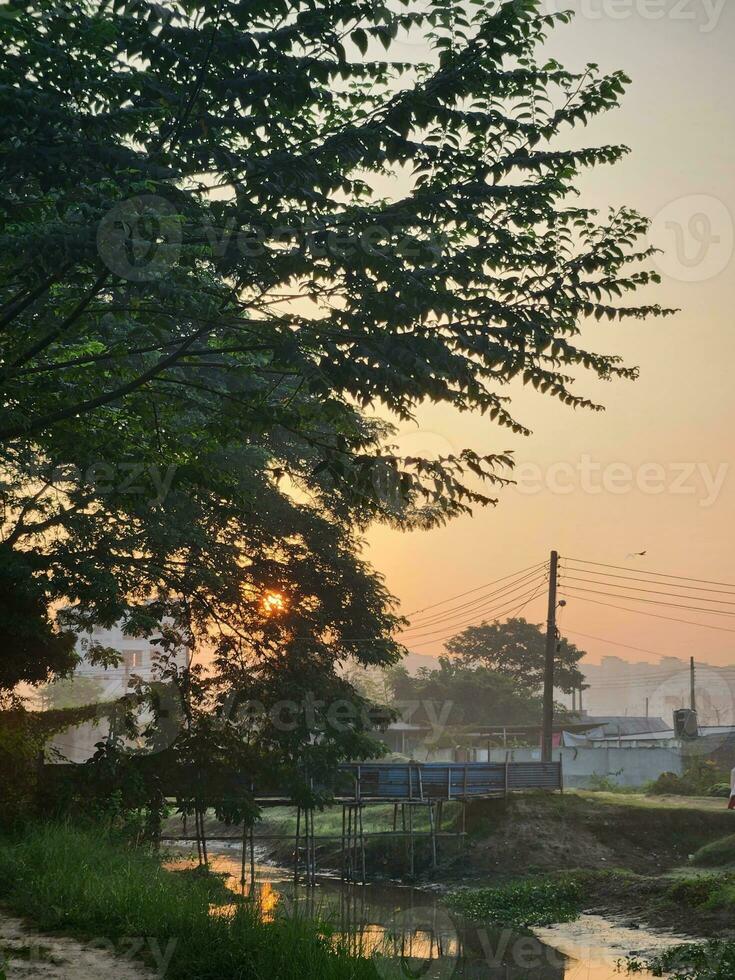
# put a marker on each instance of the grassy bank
(698, 904)
(521, 904)
(84, 884)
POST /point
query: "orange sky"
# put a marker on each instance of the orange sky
(678, 120)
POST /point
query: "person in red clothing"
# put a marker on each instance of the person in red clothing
(731, 804)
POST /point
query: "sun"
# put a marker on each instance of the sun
(274, 602)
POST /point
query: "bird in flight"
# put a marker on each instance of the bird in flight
(637, 554)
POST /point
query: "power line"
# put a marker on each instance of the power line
(642, 612)
(531, 576)
(603, 639)
(479, 588)
(624, 568)
(657, 602)
(632, 578)
(513, 611)
(476, 607)
(488, 612)
(633, 588)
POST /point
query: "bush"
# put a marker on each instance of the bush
(721, 790)
(697, 780)
(716, 854)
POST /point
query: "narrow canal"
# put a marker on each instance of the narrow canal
(411, 934)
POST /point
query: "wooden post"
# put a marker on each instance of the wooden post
(692, 682)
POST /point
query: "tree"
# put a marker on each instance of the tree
(463, 694)
(517, 649)
(71, 692)
(31, 647)
(203, 293)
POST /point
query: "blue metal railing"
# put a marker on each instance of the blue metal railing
(449, 780)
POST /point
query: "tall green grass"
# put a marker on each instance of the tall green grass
(83, 883)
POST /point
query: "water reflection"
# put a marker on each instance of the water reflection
(409, 933)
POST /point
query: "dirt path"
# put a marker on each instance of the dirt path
(26, 954)
(708, 803)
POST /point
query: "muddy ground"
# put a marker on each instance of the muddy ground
(26, 953)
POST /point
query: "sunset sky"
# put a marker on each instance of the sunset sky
(678, 120)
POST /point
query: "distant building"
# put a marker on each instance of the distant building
(623, 687)
(138, 660)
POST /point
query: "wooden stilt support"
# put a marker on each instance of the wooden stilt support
(244, 856)
(362, 849)
(412, 848)
(252, 858)
(296, 850)
(342, 845)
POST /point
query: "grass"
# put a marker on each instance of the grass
(696, 961)
(522, 904)
(715, 891)
(718, 854)
(80, 882)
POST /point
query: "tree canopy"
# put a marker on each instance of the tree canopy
(205, 296)
(517, 649)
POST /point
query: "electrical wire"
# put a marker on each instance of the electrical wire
(513, 611)
(489, 612)
(479, 588)
(475, 607)
(626, 646)
(633, 588)
(642, 612)
(633, 578)
(657, 602)
(482, 600)
(624, 568)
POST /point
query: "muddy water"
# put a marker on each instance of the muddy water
(410, 933)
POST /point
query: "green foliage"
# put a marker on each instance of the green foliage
(204, 301)
(517, 649)
(722, 791)
(698, 779)
(718, 853)
(522, 904)
(23, 735)
(86, 882)
(473, 693)
(714, 960)
(32, 648)
(177, 361)
(71, 692)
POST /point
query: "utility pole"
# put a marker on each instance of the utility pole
(646, 707)
(548, 725)
(692, 695)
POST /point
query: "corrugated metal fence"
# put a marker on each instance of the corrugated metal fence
(399, 781)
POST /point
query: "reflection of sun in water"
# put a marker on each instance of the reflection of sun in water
(273, 603)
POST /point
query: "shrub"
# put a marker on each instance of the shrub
(716, 854)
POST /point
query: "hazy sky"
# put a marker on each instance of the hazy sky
(670, 432)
